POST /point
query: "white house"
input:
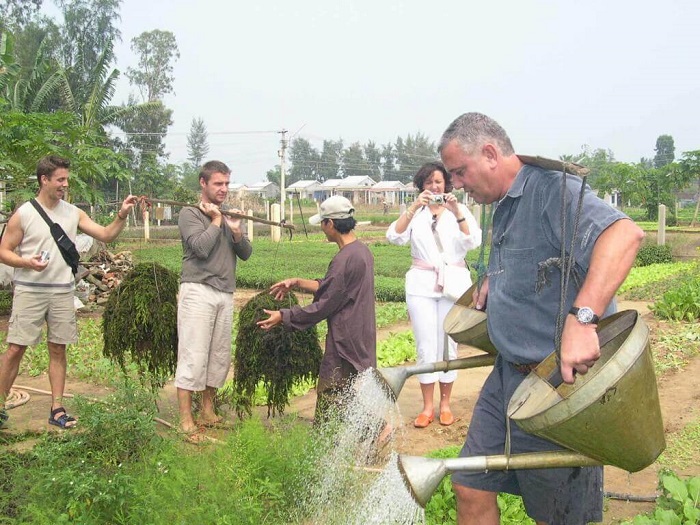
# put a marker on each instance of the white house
(305, 189)
(356, 188)
(264, 189)
(390, 191)
(236, 190)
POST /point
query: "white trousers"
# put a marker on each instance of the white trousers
(204, 319)
(427, 317)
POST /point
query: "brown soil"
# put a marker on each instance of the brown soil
(679, 395)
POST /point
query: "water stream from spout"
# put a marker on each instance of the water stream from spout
(358, 480)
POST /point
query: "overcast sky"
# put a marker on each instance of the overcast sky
(556, 74)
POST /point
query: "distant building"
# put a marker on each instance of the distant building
(264, 189)
(356, 188)
(390, 191)
(305, 189)
(236, 190)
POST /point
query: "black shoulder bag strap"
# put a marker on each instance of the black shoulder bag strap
(67, 247)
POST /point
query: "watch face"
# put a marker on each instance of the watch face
(585, 315)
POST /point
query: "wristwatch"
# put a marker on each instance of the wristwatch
(584, 315)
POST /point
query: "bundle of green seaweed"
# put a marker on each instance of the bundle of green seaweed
(277, 358)
(140, 320)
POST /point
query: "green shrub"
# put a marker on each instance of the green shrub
(140, 322)
(278, 357)
(5, 302)
(653, 254)
(679, 502)
(89, 473)
(681, 303)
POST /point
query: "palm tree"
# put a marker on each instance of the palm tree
(29, 90)
(94, 109)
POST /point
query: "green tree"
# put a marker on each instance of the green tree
(146, 128)
(26, 137)
(89, 28)
(304, 159)
(665, 151)
(689, 167)
(92, 102)
(354, 161)
(622, 178)
(388, 162)
(16, 13)
(275, 174)
(157, 51)
(153, 77)
(188, 177)
(154, 180)
(595, 160)
(31, 88)
(373, 156)
(197, 142)
(331, 157)
(411, 153)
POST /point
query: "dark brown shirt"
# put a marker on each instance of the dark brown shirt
(345, 298)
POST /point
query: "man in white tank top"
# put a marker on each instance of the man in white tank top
(43, 285)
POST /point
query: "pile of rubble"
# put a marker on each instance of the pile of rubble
(99, 275)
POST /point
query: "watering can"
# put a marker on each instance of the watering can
(422, 476)
(611, 415)
(465, 325)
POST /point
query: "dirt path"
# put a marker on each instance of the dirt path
(679, 395)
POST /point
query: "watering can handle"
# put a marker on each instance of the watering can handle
(555, 379)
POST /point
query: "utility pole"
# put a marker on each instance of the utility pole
(282, 154)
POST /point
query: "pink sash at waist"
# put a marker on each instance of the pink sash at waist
(439, 273)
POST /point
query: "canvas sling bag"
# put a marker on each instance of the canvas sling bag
(65, 245)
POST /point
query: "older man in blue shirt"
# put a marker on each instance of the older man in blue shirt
(523, 292)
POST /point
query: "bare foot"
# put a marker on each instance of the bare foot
(194, 435)
(209, 419)
(386, 435)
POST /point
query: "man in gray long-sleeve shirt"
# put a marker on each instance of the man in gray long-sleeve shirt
(211, 243)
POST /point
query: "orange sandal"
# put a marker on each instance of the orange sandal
(446, 418)
(423, 421)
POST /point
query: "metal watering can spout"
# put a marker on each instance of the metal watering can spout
(393, 378)
(422, 476)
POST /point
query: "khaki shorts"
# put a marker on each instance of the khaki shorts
(204, 319)
(31, 310)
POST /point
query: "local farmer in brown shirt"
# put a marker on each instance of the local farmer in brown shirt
(345, 297)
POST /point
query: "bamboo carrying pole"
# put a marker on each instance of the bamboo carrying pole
(229, 213)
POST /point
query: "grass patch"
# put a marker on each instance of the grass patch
(647, 283)
(682, 447)
(272, 262)
(118, 469)
(84, 358)
(390, 313)
(673, 345)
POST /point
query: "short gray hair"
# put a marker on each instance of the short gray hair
(472, 130)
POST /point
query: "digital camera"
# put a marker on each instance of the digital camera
(44, 255)
(437, 199)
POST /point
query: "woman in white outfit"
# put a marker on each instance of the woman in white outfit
(441, 231)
